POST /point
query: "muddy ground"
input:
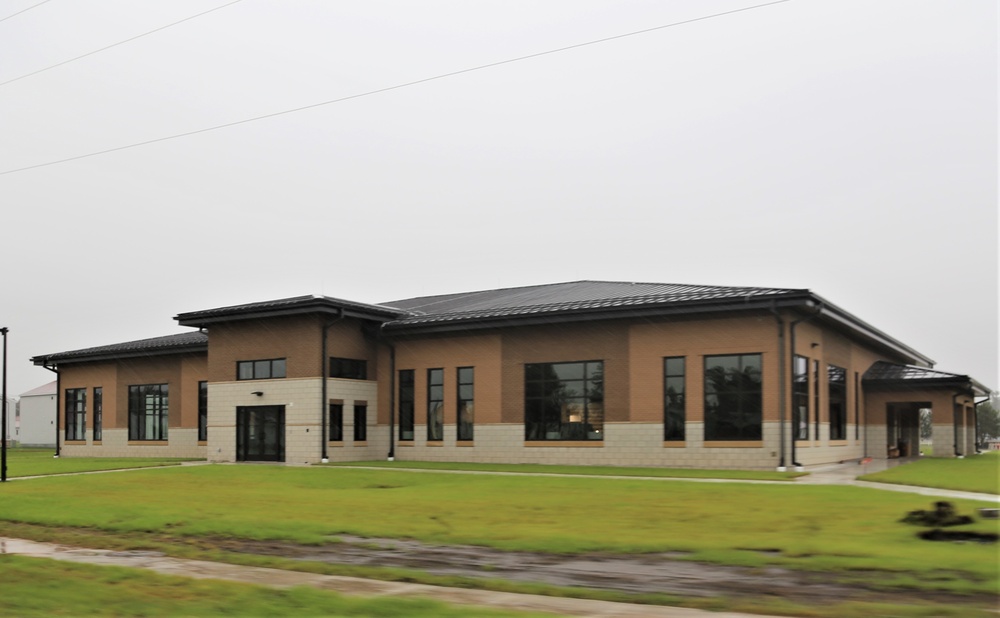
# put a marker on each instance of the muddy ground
(641, 573)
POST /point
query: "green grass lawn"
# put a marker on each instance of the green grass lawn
(39, 461)
(978, 473)
(38, 587)
(684, 473)
(851, 530)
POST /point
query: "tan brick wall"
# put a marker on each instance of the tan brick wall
(296, 339)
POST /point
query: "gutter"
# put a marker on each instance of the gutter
(324, 401)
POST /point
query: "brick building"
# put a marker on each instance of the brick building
(586, 372)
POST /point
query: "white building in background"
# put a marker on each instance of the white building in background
(12, 421)
(38, 416)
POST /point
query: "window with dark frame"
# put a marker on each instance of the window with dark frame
(336, 422)
(98, 413)
(733, 397)
(260, 369)
(836, 382)
(348, 368)
(816, 397)
(360, 422)
(76, 414)
(202, 411)
(148, 412)
(406, 404)
(673, 399)
(435, 405)
(466, 403)
(564, 401)
(857, 406)
(800, 397)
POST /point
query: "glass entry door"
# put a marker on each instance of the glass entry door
(260, 433)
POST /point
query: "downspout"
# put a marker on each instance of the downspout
(782, 403)
(791, 338)
(392, 402)
(55, 370)
(324, 371)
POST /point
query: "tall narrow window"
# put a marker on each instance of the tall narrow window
(202, 411)
(466, 403)
(564, 401)
(673, 399)
(836, 382)
(360, 422)
(76, 413)
(336, 422)
(816, 396)
(148, 412)
(733, 397)
(435, 404)
(857, 406)
(98, 413)
(406, 401)
(800, 398)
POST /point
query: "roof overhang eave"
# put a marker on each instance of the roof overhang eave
(203, 321)
(835, 314)
(56, 360)
(589, 315)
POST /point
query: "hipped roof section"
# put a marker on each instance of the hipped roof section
(884, 374)
(539, 304)
(184, 343)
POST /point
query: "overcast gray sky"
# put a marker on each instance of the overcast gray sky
(845, 146)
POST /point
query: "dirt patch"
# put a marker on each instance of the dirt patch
(661, 573)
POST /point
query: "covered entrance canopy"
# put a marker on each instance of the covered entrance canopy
(895, 395)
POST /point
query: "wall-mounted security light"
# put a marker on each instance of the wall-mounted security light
(258, 393)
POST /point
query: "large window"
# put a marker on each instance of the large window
(733, 401)
(76, 413)
(350, 368)
(800, 398)
(435, 404)
(466, 403)
(673, 399)
(360, 422)
(98, 413)
(336, 422)
(148, 411)
(406, 400)
(260, 369)
(202, 411)
(836, 379)
(564, 401)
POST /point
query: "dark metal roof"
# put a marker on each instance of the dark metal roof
(170, 344)
(573, 297)
(884, 374)
(297, 305)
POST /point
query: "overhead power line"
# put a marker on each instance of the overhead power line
(107, 47)
(24, 10)
(386, 89)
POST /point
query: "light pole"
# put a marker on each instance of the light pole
(3, 412)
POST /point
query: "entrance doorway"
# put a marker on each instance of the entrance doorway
(260, 433)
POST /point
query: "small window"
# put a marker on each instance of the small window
(466, 403)
(260, 369)
(336, 422)
(836, 381)
(202, 411)
(673, 399)
(435, 405)
(360, 422)
(76, 413)
(348, 368)
(98, 412)
(800, 398)
(406, 401)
